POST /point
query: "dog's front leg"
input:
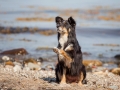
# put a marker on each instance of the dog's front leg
(63, 79)
(69, 47)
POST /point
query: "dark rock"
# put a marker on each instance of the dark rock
(86, 53)
(19, 51)
(117, 56)
(40, 59)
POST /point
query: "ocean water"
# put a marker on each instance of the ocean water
(12, 9)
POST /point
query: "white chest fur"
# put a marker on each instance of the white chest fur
(63, 39)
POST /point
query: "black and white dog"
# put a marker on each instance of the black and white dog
(69, 68)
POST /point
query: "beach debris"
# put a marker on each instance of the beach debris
(18, 51)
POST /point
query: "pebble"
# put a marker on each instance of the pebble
(33, 66)
(17, 68)
(5, 58)
(113, 87)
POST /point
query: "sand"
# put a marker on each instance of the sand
(45, 80)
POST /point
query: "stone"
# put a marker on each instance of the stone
(113, 87)
(10, 63)
(5, 58)
(18, 51)
(117, 56)
(92, 63)
(17, 68)
(32, 64)
(115, 71)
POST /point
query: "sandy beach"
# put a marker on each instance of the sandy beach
(45, 80)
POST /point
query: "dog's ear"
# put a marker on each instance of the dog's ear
(58, 19)
(72, 21)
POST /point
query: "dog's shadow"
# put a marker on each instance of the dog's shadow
(49, 79)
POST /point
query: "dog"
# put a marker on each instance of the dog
(69, 68)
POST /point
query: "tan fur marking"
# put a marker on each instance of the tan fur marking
(66, 56)
(63, 80)
(81, 78)
(65, 31)
(63, 55)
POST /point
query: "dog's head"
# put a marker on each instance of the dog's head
(65, 26)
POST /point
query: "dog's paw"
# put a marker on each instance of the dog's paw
(64, 85)
(56, 50)
(80, 84)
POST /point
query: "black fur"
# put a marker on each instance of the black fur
(76, 66)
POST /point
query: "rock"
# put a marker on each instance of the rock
(40, 59)
(101, 73)
(117, 56)
(113, 87)
(17, 68)
(5, 58)
(115, 71)
(17, 63)
(32, 64)
(30, 60)
(8, 67)
(19, 51)
(10, 63)
(97, 69)
(86, 53)
(92, 63)
(49, 67)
